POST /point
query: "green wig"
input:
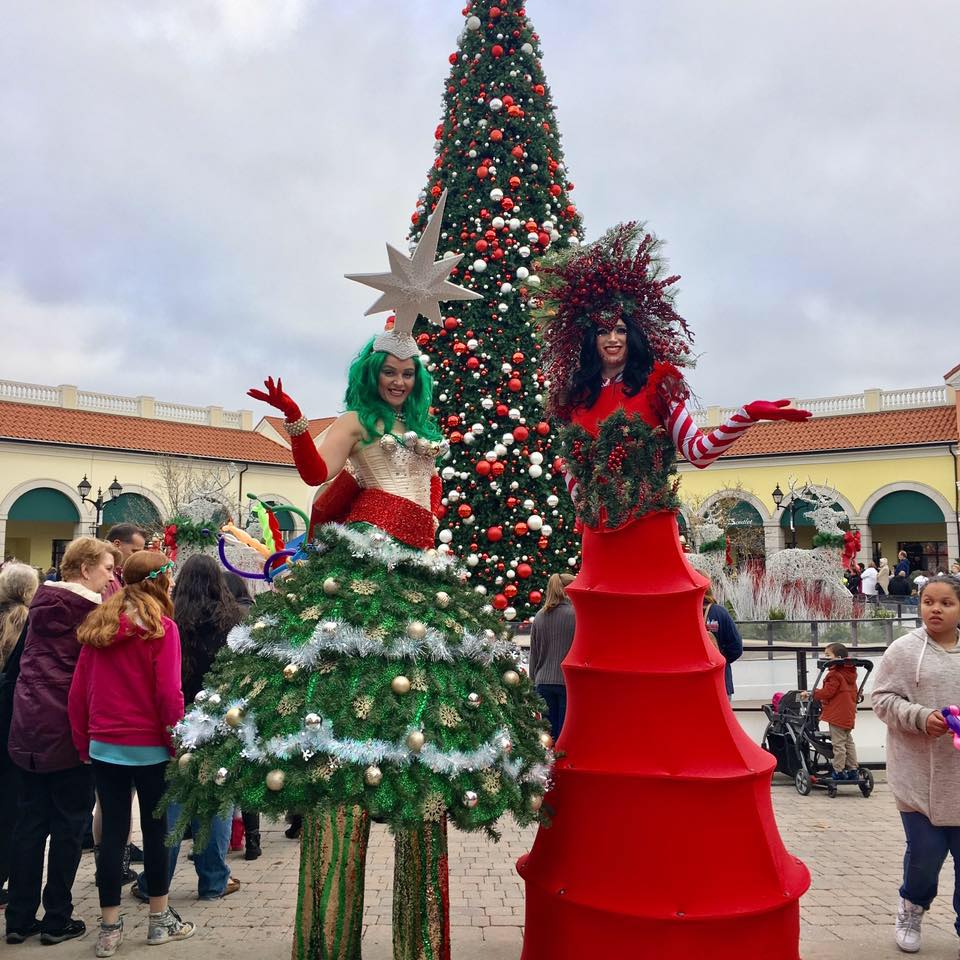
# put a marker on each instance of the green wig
(376, 415)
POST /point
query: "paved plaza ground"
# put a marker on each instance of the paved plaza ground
(853, 847)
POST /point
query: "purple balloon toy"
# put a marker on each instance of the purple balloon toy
(952, 715)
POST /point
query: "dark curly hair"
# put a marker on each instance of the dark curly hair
(205, 611)
(586, 385)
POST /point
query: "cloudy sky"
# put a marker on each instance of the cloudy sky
(183, 183)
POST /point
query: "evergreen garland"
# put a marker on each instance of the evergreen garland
(828, 540)
(195, 534)
(625, 472)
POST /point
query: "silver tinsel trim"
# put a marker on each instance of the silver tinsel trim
(348, 640)
(376, 545)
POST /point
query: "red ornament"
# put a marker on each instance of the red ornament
(451, 323)
(502, 410)
(516, 151)
(464, 510)
(482, 172)
(453, 57)
(521, 434)
(515, 385)
(473, 363)
(514, 182)
(524, 570)
(496, 135)
(543, 543)
(510, 590)
(520, 529)
(483, 468)
(543, 238)
(543, 428)
(508, 101)
(494, 534)
(506, 203)
(497, 469)
(500, 602)
(556, 189)
(535, 597)
(481, 246)
(539, 89)
(456, 436)
(495, 12)
(497, 50)
(518, 358)
(453, 420)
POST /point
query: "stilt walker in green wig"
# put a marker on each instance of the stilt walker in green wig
(371, 681)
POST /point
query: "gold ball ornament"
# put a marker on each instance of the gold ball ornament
(331, 587)
(416, 740)
(234, 717)
(546, 741)
(511, 678)
(416, 630)
(400, 685)
(536, 802)
(290, 671)
(275, 780)
(373, 776)
(185, 760)
(443, 599)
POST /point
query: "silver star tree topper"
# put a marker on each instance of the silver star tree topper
(415, 286)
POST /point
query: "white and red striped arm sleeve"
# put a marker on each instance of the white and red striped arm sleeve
(573, 488)
(699, 448)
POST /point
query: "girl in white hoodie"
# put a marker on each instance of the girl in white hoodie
(918, 675)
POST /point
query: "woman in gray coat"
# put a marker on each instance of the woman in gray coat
(551, 634)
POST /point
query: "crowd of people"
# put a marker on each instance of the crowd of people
(97, 666)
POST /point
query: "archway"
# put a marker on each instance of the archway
(40, 523)
(909, 518)
(130, 508)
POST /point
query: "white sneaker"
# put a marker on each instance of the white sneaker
(909, 917)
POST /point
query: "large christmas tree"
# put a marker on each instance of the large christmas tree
(499, 155)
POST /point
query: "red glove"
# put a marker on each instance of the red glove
(277, 398)
(775, 410)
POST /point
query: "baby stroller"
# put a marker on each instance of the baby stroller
(801, 750)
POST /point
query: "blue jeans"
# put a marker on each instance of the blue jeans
(555, 696)
(210, 863)
(927, 848)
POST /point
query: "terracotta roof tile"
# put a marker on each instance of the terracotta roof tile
(23, 421)
(891, 428)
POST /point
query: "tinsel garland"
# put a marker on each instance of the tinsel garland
(370, 676)
(624, 472)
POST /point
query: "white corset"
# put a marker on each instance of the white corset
(393, 468)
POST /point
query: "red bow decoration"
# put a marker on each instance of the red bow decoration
(170, 540)
(851, 547)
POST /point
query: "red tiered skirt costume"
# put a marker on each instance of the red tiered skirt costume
(663, 842)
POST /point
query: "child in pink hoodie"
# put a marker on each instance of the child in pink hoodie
(124, 700)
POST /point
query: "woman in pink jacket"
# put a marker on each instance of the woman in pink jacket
(124, 700)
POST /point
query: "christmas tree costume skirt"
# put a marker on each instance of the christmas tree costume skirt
(663, 841)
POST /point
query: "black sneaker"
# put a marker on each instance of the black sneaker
(71, 931)
(136, 854)
(19, 936)
(138, 894)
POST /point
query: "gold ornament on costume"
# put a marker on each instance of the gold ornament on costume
(331, 587)
(511, 678)
(491, 782)
(290, 703)
(414, 596)
(275, 780)
(443, 599)
(416, 630)
(311, 613)
(434, 809)
(290, 671)
(234, 717)
(449, 716)
(400, 684)
(418, 680)
(365, 588)
(185, 760)
(373, 776)
(546, 740)
(416, 740)
(362, 705)
(536, 802)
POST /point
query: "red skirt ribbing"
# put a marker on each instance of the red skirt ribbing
(663, 842)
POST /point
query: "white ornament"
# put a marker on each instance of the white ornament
(527, 48)
(448, 473)
(535, 471)
(472, 560)
(536, 457)
(546, 530)
(533, 280)
(498, 223)
(510, 613)
(479, 266)
(506, 288)
(552, 500)
(496, 194)
(445, 536)
(514, 224)
(524, 251)
(534, 522)
(495, 104)
(522, 273)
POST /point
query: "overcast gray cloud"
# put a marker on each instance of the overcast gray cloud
(183, 183)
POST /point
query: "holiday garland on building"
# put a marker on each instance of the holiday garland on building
(505, 511)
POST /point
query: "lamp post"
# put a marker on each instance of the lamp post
(792, 507)
(84, 487)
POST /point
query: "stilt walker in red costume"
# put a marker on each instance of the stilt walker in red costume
(663, 842)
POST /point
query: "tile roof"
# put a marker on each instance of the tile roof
(890, 428)
(41, 424)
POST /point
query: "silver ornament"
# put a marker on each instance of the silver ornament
(312, 720)
(474, 700)
(201, 697)
(329, 628)
(470, 798)
(220, 777)
(373, 775)
(214, 700)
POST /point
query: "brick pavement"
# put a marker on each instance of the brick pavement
(852, 845)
